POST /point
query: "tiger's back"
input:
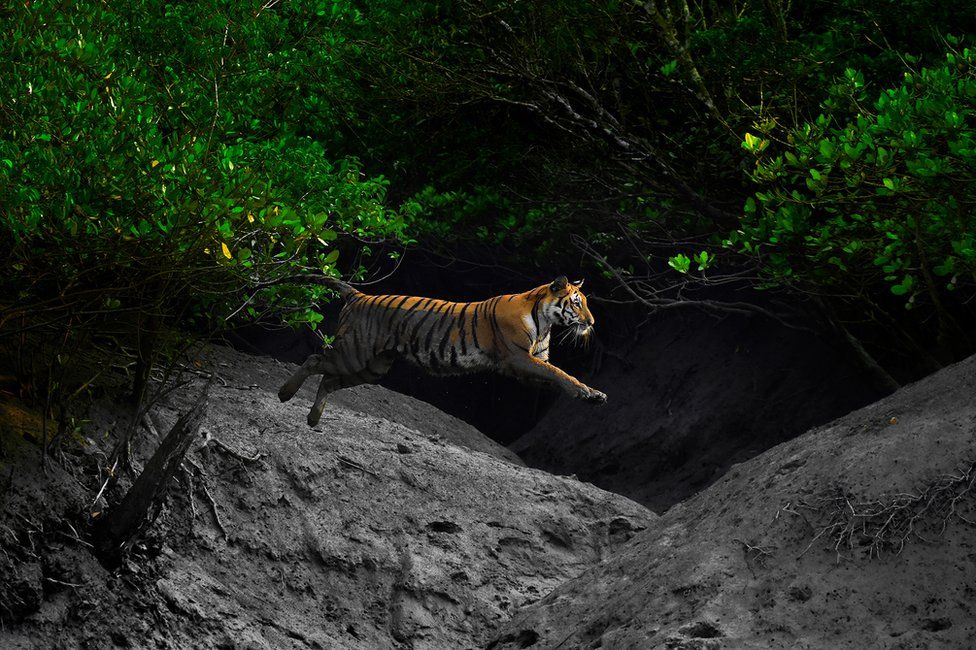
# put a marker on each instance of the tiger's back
(443, 337)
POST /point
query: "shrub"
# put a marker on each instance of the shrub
(156, 160)
(876, 206)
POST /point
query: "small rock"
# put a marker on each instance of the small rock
(403, 449)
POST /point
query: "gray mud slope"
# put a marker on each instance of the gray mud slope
(363, 533)
(776, 553)
(376, 401)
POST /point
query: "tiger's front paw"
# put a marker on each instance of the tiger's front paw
(592, 395)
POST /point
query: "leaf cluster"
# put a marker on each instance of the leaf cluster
(877, 202)
(164, 157)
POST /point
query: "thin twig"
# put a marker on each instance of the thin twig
(233, 452)
(66, 584)
(350, 463)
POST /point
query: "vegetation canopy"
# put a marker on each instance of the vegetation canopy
(164, 165)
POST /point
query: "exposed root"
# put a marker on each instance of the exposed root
(223, 446)
(886, 525)
(198, 471)
(213, 508)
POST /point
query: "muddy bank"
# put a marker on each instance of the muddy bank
(365, 532)
(856, 534)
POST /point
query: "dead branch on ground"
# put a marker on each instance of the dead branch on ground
(118, 530)
(887, 524)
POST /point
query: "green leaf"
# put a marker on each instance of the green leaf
(946, 268)
(669, 68)
(704, 260)
(680, 263)
(904, 287)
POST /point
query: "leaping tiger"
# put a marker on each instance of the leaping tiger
(509, 334)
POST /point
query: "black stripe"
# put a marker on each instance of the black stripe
(454, 357)
(418, 307)
(461, 334)
(423, 304)
(367, 318)
(437, 326)
(386, 301)
(403, 300)
(442, 347)
(377, 306)
(535, 318)
(474, 328)
(449, 313)
(412, 340)
(368, 306)
(395, 311)
(404, 323)
(414, 306)
(493, 317)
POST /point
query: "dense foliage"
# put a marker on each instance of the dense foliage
(160, 160)
(156, 159)
(882, 199)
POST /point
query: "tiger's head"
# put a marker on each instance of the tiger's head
(567, 306)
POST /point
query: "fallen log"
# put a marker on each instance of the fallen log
(121, 527)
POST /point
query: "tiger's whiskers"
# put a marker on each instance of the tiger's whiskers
(565, 335)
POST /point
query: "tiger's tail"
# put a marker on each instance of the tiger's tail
(342, 288)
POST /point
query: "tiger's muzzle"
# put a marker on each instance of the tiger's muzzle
(582, 330)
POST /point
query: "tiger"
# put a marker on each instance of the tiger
(508, 334)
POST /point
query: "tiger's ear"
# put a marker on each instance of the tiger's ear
(578, 284)
(559, 284)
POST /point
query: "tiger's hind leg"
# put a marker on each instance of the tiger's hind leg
(312, 366)
(335, 360)
(374, 370)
